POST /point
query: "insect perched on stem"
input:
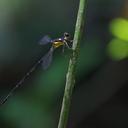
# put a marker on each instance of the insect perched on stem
(64, 41)
(46, 60)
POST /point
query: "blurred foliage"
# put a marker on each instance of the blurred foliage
(118, 46)
(118, 49)
(119, 28)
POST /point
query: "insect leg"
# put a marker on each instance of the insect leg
(66, 44)
(63, 48)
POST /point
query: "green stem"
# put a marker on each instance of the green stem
(70, 78)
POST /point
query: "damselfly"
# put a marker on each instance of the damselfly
(46, 60)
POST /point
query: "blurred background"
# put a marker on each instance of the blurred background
(100, 94)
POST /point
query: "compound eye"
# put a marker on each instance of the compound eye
(66, 34)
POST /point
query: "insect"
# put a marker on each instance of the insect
(64, 41)
(46, 60)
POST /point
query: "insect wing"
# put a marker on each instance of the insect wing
(47, 59)
(45, 40)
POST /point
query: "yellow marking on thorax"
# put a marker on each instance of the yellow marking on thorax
(57, 44)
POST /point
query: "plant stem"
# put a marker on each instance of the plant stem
(70, 78)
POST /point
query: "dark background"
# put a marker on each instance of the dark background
(100, 94)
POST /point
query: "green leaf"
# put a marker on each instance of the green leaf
(119, 28)
(118, 49)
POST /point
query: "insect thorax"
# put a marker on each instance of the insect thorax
(57, 44)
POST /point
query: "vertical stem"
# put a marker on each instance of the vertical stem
(70, 78)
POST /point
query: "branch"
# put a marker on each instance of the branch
(70, 78)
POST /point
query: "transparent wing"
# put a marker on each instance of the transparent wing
(45, 40)
(47, 59)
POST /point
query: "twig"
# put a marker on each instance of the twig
(70, 78)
